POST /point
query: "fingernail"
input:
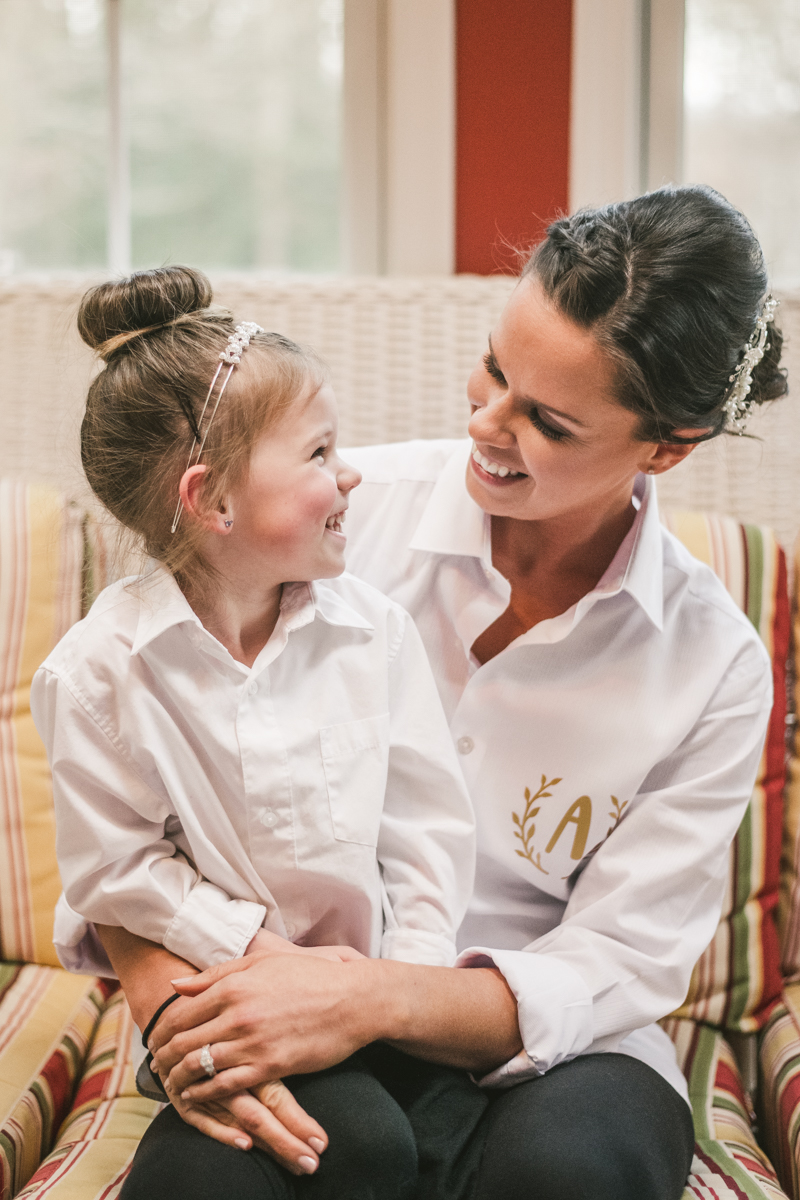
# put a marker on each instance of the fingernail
(316, 1144)
(187, 1095)
(151, 1046)
(308, 1165)
(242, 1144)
(179, 982)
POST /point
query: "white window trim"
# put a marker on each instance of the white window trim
(119, 178)
(398, 202)
(626, 127)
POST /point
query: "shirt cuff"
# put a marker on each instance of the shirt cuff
(418, 946)
(554, 1006)
(210, 928)
(77, 945)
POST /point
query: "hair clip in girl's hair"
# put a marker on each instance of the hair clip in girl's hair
(232, 354)
(738, 405)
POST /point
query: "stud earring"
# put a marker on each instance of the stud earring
(651, 471)
(228, 524)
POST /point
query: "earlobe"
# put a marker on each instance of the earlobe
(191, 491)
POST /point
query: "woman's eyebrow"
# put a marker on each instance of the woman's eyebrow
(548, 408)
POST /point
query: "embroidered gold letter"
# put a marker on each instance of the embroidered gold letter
(580, 815)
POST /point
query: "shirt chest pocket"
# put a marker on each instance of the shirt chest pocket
(355, 758)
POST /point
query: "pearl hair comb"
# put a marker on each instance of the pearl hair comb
(738, 405)
(232, 354)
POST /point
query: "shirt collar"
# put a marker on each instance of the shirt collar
(163, 606)
(452, 523)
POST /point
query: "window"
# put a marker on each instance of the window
(230, 133)
(742, 116)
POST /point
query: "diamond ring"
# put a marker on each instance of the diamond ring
(207, 1062)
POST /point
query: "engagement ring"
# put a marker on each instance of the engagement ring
(206, 1061)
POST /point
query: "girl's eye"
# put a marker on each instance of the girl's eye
(549, 431)
(319, 452)
(490, 363)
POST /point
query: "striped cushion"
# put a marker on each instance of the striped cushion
(47, 1019)
(780, 1066)
(738, 978)
(728, 1163)
(41, 568)
(97, 1141)
(789, 907)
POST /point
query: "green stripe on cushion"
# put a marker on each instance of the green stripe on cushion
(780, 1065)
(728, 1162)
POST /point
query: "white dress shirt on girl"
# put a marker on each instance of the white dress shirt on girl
(610, 753)
(316, 794)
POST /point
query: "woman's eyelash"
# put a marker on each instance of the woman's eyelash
(549, 431)
(490, 363)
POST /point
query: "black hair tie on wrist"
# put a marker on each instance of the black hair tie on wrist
(147, 1082)
(151, 1024)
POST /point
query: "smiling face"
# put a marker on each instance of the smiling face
(550, 437)
(287, 515)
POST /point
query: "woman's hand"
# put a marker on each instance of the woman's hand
(265, 942)
(269, 1118)
(268, 1016)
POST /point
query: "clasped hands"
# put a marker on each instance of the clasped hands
(276, 1011)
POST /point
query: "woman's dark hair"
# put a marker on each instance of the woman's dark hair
(160, 338)
(671, 285)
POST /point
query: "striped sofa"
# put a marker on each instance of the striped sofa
(70, 1117)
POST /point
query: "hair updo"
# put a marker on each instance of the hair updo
(161, 338)
(671, 285)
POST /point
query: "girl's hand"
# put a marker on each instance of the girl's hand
(269, 1118)
(270, 943)
(268, 1016)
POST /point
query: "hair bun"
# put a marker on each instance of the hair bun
(143, 300)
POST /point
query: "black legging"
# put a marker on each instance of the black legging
(602, 1127)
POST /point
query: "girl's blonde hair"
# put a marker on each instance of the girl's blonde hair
(160, 338)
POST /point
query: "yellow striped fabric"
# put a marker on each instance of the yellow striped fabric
(96, 1143)
(41, 570)
(738, 977)
(47, 1019)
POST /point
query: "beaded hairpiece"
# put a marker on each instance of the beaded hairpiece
(232, 354)
(738, 406)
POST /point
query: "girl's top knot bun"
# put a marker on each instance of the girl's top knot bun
(113, 314)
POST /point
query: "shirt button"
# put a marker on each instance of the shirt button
(269, 818)
(253, 688)
(465, 745)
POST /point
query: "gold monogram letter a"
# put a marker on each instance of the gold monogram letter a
(578, 814)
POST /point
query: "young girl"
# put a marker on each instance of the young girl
(241, 752)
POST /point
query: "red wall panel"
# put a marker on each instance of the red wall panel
(512, 126)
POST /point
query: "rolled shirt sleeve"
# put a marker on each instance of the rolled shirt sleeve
(118, 866)
(646, 904)
(426, 845)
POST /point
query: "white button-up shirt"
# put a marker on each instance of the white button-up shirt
(317, 793)
(610, 753)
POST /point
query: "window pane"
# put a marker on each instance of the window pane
(233, 111)
(52, 134)
(742, 98)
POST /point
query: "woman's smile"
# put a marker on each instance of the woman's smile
(490, 471)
